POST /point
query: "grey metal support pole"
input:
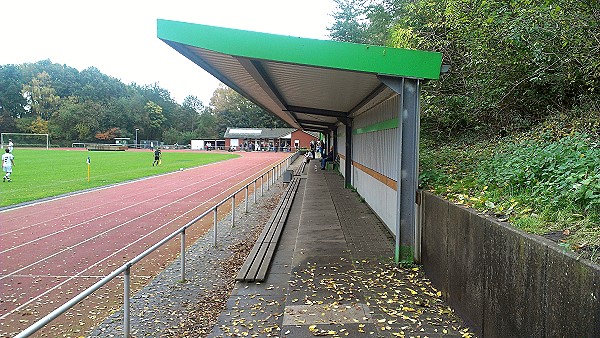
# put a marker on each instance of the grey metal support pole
(408, 142)
(233, 211)
(348, 163)
(215, 228)
(418, 226)
(398, 239)
(262, 186)
(335, 145)
(183, 255)
(126, 302)
(246, 200)
(410, 163)
(254, 193)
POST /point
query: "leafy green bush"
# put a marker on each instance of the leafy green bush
(556, 174)
(543, 184)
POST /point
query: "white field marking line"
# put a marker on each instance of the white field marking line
(119, 210)
(144, 192)
(111, 202)
(96, 263)
(94, 190)
(90, 220)
(103, 188)
(123, 224)
(108, 187)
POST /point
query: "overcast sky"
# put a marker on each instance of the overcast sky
(119, 36)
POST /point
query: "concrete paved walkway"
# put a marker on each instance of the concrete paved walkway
(332, 275)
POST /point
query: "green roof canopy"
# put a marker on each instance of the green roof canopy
(310, 84)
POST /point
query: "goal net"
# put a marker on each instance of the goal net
(25, 140)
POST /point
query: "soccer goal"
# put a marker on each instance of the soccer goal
(25, 140)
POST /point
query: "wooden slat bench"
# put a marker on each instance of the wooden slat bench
(300, 168)
(257, 263)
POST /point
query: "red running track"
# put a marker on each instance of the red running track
(50, 251)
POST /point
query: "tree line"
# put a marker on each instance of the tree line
(514, 64)
(89, 106)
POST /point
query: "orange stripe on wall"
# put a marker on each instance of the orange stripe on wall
(381, 178)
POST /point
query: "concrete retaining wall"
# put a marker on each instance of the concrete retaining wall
(504, 282)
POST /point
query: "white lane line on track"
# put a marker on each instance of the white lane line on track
(78, 276)
(114, 228)
(94, 190)
(115, 185)
(33, 299)
(119, 210)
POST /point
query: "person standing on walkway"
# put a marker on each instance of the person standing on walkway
(157, 156)
(8, 161)
(312, 148)
(322, 147)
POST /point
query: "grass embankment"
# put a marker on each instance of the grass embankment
(543, 184)
(40, 173)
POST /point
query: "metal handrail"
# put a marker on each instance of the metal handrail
(125, 268)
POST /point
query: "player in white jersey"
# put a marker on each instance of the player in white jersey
(8, 160)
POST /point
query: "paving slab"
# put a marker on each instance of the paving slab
(333, 275)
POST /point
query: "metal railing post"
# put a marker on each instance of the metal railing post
(254, 193)
(233, 211)
(262, 186)
(215, 226)
(126, 292)
(246, 201)
(183, 255)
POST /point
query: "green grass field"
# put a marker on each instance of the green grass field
(40, 173)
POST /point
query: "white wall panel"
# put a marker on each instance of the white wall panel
(380, 198)
(377, 150)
